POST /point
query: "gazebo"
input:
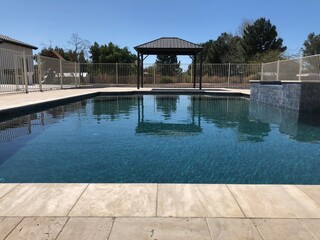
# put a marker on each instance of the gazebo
(169, 46)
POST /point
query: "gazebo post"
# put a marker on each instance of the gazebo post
(141, 55)
(194, 70)
(138, 71)
(200, 84)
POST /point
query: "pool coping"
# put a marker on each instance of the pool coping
(257, 205)
(39, 105)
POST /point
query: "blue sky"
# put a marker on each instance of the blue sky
(132, 22)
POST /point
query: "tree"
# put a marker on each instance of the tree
(170, 70)
(166, 59)
(260, 38)
(111, 53)
(311, 45)
(77, 53)
(48, 52)
(79, 48)
(227, 48)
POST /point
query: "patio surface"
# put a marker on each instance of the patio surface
(153, 211)
(159, 211)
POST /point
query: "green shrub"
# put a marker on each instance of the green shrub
(166, 79)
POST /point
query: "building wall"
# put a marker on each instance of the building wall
(16, 48)
(11, 64)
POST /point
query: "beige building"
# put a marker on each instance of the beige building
(12, 44)
(11, 61)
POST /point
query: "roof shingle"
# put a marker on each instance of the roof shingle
(7, 39)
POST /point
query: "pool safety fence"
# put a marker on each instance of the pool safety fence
(228, 74)
(24, 73)
(297, 69)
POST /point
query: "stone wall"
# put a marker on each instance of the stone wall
(298, 96)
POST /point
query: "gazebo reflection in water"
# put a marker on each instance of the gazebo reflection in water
(167, 104)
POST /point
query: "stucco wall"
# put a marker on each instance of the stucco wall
(16, 48)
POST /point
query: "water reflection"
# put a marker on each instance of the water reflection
(230, 113)
(113, 108)
(179, 116)
(167, 105)
(298, 126)
(26, 125)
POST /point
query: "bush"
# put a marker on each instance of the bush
(166, 79)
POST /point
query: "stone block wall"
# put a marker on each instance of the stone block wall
(298, 96)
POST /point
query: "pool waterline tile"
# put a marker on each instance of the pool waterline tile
(274, 201)
(41, 199)
(112, 200)
(196, 200)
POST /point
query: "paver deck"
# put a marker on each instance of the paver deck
(153, 211)
(10, 101)
(158, 211)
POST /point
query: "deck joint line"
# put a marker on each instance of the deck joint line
(236, 201)
(10, 191)
(62, 229)
(13, 228)
(78, 199)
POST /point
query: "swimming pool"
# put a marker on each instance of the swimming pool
(161, 139)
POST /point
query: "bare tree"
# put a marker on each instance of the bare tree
(79, 47)
(244, 24)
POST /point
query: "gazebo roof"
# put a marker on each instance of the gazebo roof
(169, 45)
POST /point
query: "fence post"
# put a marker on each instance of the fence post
(229, 69)
(39, 72)
(25, 70)
(300, 68)
(278, 69)
(154, 75)
(191, 72)
(117, 74)
(261, 77)
(61, 79)
(79, 76)
(75, 74)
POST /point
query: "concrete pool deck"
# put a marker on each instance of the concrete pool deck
(153, 211)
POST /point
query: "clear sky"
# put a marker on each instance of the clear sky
(132, 22)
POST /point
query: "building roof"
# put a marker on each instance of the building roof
(169, 45)
(7, 39)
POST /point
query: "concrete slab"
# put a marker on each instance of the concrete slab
(312, 191)
(40, 199)
(196, 200)
(313, 225)
(86, 228)
(5, 188)
(279, 229)
(38, 228)
(160, 228)
(274, 201)
(7, 225)
(232, 229)
(117, 200)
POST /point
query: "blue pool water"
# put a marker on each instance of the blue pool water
(161, 139)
